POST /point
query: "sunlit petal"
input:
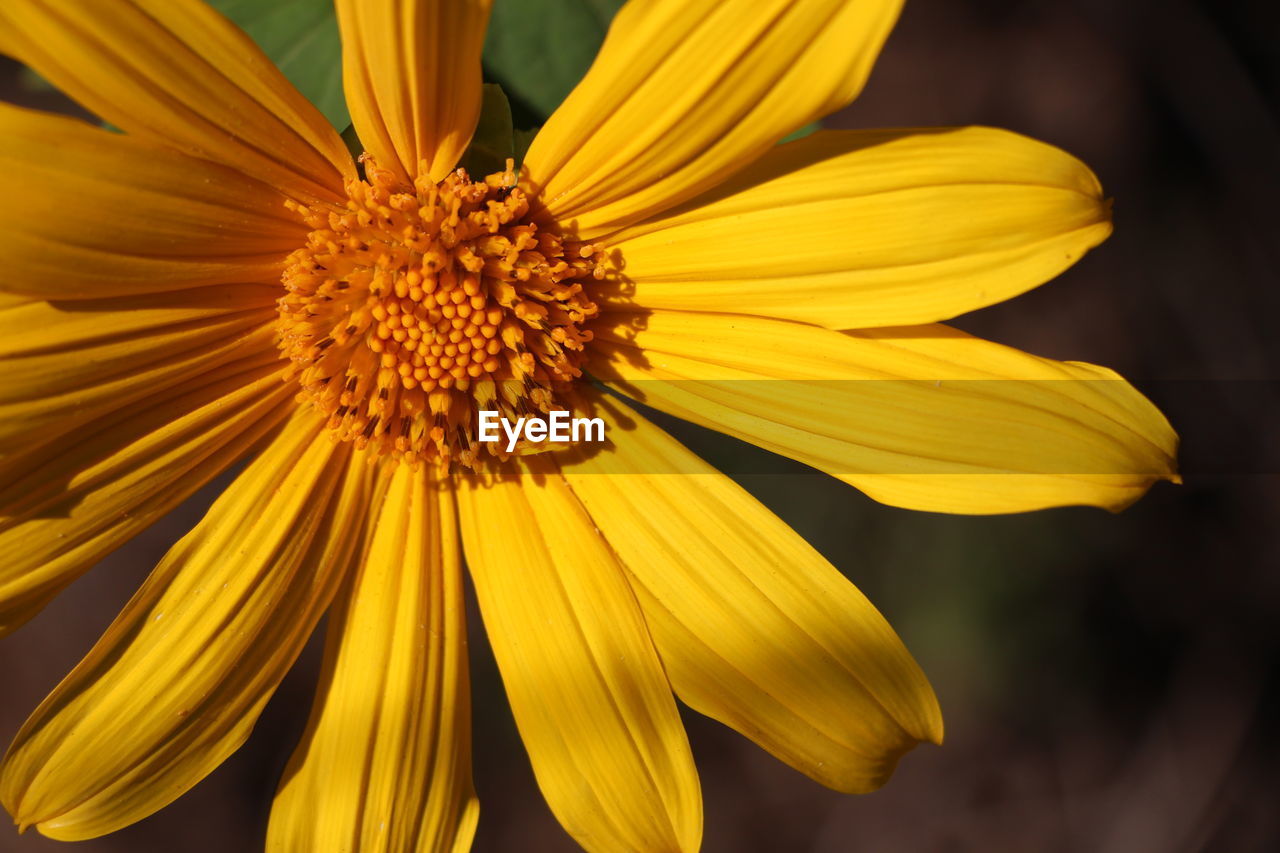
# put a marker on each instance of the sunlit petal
(178, 680)
(754, 627)
(177, 72)
(385, 764)
(97, 214)
(924, 417)
(411, 70)
(684, 94)
(588, 692)
(850, 229)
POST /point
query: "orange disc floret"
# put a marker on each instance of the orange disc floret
(411, 309)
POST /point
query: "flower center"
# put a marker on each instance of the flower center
(411, 309)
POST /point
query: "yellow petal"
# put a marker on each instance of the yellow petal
(589, 696)
(178, 680)
(68, 363)
(684, 94)
(30, 327)
(97, 214)
(850, 229)
(68, 502)
(177, 72)
(754, 627)
(385, 764)
(411, 71)
(924, 417)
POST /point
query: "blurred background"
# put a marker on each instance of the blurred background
(1108, 682)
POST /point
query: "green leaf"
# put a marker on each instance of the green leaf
(352, 140)
(802, 132)
(524, 138)
(493, 142)
(30, 81)
(539, 49)
(301, 37)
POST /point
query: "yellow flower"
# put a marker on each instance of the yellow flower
(657, 240)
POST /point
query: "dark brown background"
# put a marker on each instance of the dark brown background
(1108, 681)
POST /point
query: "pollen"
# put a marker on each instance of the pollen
(413, 308)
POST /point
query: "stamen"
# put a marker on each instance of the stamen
(410, 309)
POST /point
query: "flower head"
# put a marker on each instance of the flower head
(160, 283)
(412, 309)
